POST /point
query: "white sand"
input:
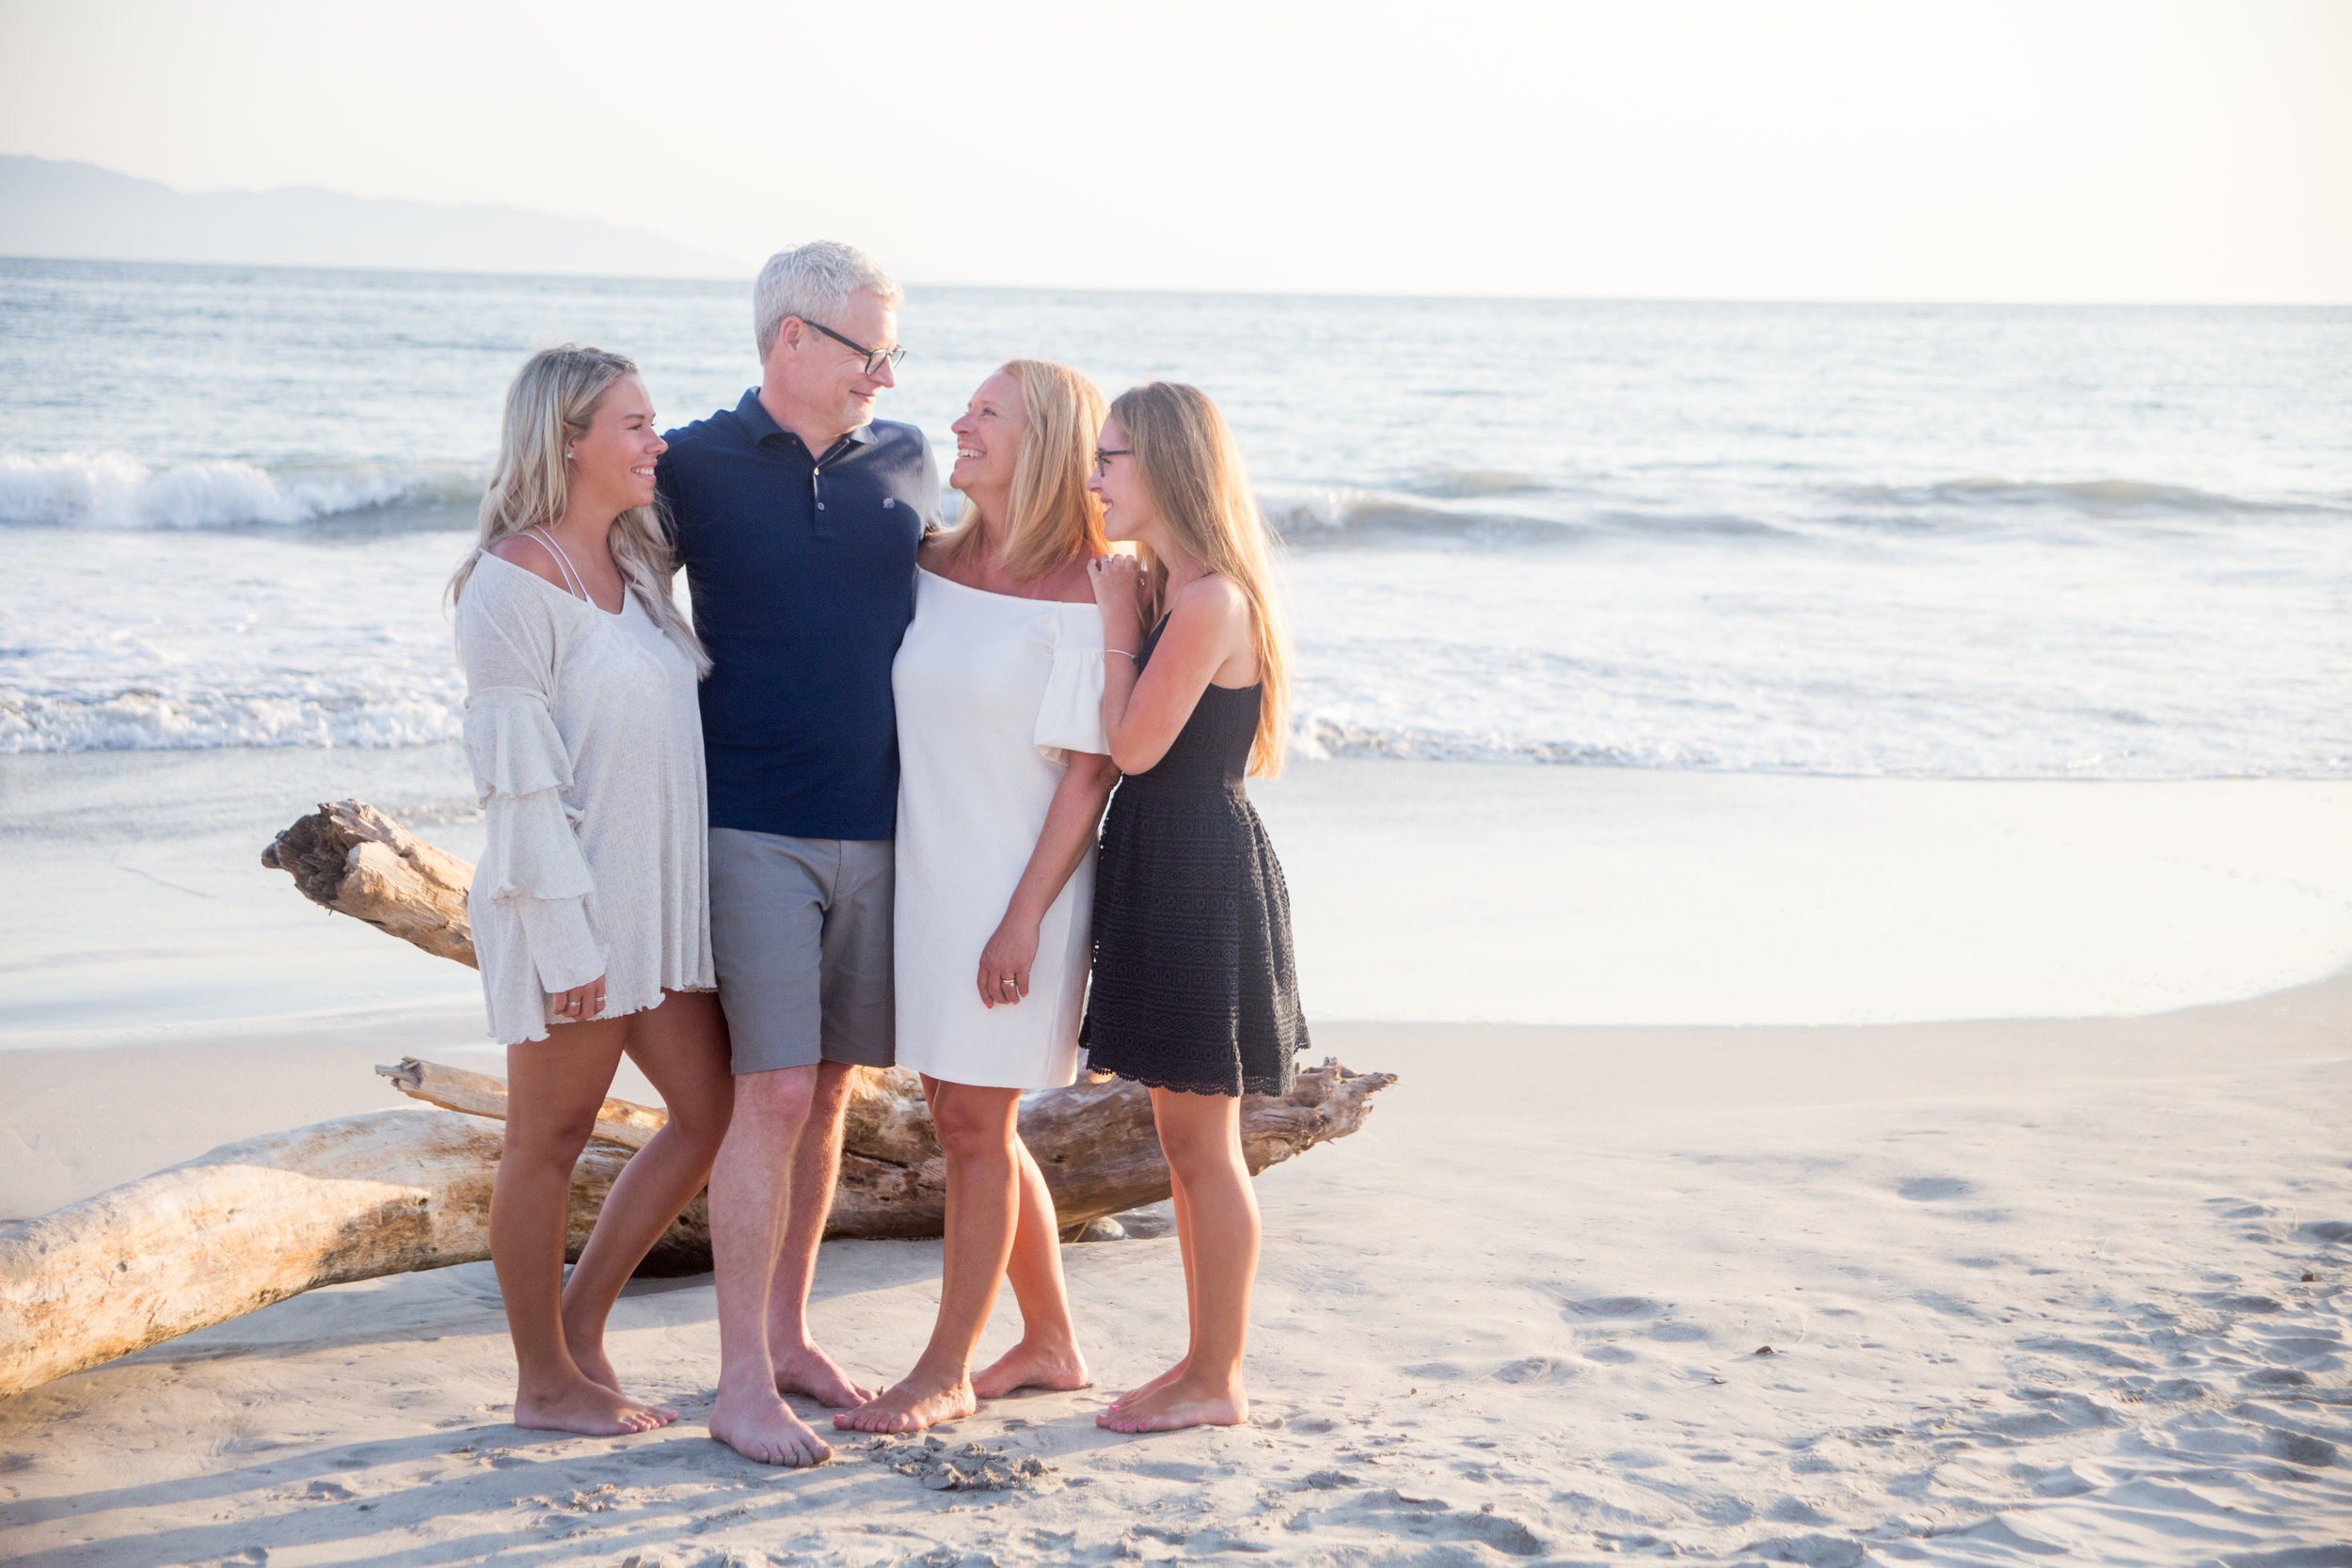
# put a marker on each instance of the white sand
(2034, 1290)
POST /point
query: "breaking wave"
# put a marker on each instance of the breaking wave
(2097, 498)
(114, 490)
(144, 718)
(1346, 516)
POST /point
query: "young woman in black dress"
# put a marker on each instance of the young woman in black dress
(1194, 990)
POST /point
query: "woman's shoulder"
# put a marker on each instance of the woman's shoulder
(1070, 583)
(502, 590)
(532, 556)
(1211, 597)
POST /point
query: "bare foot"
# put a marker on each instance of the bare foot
(594, 1365)
(1145, 1390)
(588, 1408)
(764, 1429)
(1028, 1366)
(1182, 1404)
(911, 1406)
(811, 1371)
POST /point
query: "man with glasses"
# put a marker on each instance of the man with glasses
(797, 514)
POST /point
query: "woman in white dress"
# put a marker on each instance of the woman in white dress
(590, 907)
(1002, 782)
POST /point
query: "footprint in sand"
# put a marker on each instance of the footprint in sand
(1623, 1308)
(1532, 1369)
(1933, 1189)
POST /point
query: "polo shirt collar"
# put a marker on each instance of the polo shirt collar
(762, 424)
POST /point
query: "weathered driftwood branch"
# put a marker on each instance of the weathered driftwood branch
(358, 862)
(452, 1088)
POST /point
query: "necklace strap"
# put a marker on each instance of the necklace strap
(573, 581)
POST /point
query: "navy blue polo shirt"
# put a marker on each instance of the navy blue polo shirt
(802, 573)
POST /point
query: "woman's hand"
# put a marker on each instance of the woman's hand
(1005, 962)
(581, 1002)
(1114, 578)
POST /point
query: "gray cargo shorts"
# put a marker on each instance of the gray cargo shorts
(800, 932)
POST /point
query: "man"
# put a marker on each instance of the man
(796, 516)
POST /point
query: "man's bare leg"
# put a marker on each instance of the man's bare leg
(1047, 1355)
(797, 1365)
(752, 1187)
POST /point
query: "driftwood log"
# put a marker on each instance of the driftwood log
(256, 1222)
(393, 1192)
(358, 861)
(1094, 1143)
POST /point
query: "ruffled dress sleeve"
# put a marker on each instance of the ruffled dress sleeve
(1070, 716)
(533, 933)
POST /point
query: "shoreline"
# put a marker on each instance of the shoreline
(1429, 890)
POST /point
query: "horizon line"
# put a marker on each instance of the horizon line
(1361, 296)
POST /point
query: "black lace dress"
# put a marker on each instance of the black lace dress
(1194, 986)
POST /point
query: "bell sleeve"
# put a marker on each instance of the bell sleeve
(532, 886)
(1070, 716)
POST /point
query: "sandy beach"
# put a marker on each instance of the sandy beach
(2057, 1292)
(2050, 1291)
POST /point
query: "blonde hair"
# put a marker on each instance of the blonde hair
(555, 396)
(1192, 468)
(1052, 517)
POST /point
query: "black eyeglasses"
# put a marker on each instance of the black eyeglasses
(875, 357)
(1102, 456)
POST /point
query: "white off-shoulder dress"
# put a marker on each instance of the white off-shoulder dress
(992, 694)
(585, 738)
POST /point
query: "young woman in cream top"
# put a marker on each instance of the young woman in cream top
(590, 907)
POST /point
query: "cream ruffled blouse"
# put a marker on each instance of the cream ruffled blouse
(586, 738)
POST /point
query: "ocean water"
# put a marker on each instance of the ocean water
(1930, 542)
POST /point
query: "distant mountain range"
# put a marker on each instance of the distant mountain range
(53, 209)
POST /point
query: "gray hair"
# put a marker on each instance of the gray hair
(814, 281)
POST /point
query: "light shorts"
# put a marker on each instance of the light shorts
(800, 933)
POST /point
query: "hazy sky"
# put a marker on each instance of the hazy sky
(1898, 148)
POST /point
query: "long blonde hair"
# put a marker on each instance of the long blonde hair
(1054, 519)
(1192, 468)
(555, 396)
